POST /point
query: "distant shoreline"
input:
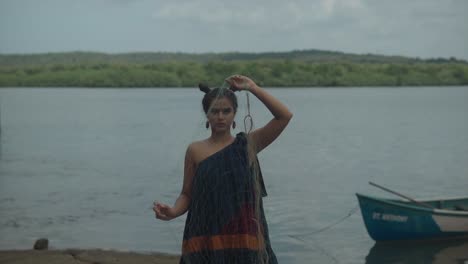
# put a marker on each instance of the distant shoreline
(266, 87)
(310, 68)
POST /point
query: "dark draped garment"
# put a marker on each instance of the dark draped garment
(226, 221)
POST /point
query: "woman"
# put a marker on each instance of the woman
(223, 186)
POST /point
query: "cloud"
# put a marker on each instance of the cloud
(282, 15)
(425, 28)
(417, 28)
(331, 6)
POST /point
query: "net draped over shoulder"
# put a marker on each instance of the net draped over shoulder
(226, 221)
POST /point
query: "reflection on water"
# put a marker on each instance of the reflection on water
(436, 252)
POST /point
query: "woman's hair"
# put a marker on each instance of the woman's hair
(211, 94)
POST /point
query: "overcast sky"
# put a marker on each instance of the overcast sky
(417, 28)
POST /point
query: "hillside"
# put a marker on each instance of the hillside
(160, 69)
(164, 57)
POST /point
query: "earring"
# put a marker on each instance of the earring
(234, 124)
(207, 125)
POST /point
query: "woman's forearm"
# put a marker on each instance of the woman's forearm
(181, 205)
(277, 109)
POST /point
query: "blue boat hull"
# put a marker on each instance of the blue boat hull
(390, 220)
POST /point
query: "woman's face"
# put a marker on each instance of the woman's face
(221, 114)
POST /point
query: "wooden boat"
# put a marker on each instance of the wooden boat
(388, 219)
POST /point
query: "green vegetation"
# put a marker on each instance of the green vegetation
(296, 68)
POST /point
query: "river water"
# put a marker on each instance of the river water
(82, 167)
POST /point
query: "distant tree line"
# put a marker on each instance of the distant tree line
(313, 56)
(187, 70)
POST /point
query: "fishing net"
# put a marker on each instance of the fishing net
(225, 222)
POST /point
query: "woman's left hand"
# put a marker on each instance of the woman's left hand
(240, 83)
(163, 211)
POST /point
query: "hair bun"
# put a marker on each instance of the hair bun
(204, 88)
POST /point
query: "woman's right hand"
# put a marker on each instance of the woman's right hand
(240, 83)
(163, 211)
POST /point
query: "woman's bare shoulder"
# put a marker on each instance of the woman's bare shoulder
(196, 150)
(196, 145)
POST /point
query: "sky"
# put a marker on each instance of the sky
(415, 28)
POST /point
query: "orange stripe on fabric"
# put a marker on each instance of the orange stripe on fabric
(222, 242)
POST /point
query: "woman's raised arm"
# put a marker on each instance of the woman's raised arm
(263, 136)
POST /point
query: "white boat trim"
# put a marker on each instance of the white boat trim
(451, 212)
(451, 223)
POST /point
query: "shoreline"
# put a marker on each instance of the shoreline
(267, 87)
(66, 256)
